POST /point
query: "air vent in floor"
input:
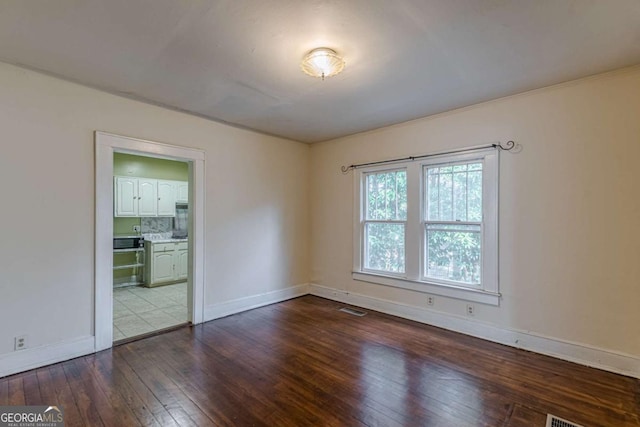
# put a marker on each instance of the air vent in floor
(353, 311)
(553, 421)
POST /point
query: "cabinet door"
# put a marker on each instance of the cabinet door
(182, 192)
(148, 197)
(126, 196)
(163, 270)
(182, 264)
(166, 198)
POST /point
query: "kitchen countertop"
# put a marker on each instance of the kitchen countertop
(169, 240)
(165, 237)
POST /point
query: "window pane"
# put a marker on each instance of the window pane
(460, 194)
(474, 196)
(453, 253)
(384, 247)
(454, 192)
(386, 197)
(433, 194)
(446, 195)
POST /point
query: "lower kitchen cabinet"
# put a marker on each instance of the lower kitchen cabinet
(182, 263)
(166, 262)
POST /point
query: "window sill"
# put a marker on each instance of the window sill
(458, 292)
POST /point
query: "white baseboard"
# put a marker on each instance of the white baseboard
(607, 360)
(228, 308)
(23, 360)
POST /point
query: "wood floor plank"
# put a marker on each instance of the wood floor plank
(4, 392)
(392, 384)
(220, 399)
(47, 394)
(118, 392)
(164, 388)
(60, 388)
(87, 407)
(304, 363)
(327, 368)
(15, 391)
(31, 389)
(111, 408)
(145, 395)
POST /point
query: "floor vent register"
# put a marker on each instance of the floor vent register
(353, 311)
(553, 421)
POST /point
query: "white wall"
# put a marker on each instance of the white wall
(256, 203)
(569, 211)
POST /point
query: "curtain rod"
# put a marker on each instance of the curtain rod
(509, 145)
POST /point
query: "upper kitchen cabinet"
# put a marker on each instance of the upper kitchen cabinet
(135, 197)
(182, 192)
(167, 198)
(126, 196)
(148, 193)
(147, 197)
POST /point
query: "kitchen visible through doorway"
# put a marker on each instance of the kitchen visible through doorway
(151, 250)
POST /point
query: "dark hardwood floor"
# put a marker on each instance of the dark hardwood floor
(304, 363)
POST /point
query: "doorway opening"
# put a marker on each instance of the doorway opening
(150, 255)
(149, 238)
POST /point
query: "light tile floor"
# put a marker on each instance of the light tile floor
(138, 310)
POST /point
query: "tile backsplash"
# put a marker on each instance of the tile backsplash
(156, 225)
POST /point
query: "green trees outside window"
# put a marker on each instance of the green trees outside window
(452, 221)
(453, 224)
(385, 218)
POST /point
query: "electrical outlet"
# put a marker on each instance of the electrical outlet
(471, 310)
(20, 343)
(136, 228)
(431, 300)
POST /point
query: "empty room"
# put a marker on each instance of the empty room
(320, 213)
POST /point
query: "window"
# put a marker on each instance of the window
(453, 222)
(385, 221)
(431, 226)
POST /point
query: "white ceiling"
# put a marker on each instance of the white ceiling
(237, 61)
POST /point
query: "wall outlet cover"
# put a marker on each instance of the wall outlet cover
(20, 343)
(471, 310)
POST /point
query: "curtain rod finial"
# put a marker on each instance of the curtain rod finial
(509, 145)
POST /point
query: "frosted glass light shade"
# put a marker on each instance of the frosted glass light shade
(322, 62)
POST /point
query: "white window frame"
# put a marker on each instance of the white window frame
(413, 278)
(364, 221)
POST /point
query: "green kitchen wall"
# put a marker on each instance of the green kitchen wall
(149, 167)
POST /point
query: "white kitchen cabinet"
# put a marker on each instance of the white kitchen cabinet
(148, 197)
(162, 266)
(182, 192)
(126, 196)
(182, 264)
(167, 262)
(135, 197)
(167, 198)
(148, 193)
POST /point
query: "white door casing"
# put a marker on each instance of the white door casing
(106, 144)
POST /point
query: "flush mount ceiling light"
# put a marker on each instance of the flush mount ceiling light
(322, 62)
